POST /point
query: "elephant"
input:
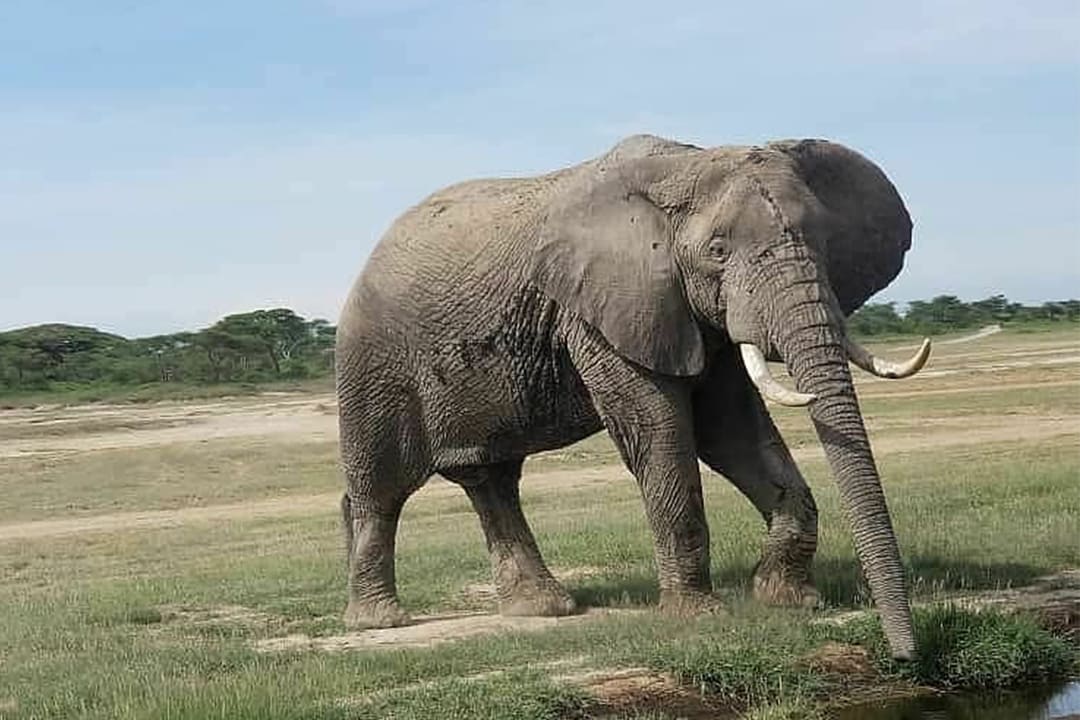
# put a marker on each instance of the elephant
(641, 292)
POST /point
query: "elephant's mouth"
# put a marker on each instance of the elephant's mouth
(771, 389)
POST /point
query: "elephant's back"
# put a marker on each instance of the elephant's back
(478, 232)
(464, 252)
(449, 258)
(459, 226)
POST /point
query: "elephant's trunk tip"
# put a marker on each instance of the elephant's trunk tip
(902, 649)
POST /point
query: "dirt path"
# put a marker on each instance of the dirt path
(62, 430)
(978, 335)
(312, 419)
(275, 507)
(1054, 349)
(975, 336)
(429, 630)
(153, 519)
(1026, 428)
(965, 390)
(315, 418)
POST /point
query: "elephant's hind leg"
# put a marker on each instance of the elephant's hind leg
(370, 534)
(523, 583)
(383, 466)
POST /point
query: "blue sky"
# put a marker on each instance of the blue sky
(165, 163)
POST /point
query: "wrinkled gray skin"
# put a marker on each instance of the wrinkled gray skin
(500, 318)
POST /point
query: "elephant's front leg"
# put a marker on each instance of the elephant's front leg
(649, 417)
(737, 438)
(767, 475)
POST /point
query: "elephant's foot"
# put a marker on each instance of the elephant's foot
(688, 603)
(362, 615)
(786, 589)
(545, 599)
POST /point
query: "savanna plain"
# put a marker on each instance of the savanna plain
(185, 560)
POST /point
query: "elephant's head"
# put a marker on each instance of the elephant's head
(767, 247)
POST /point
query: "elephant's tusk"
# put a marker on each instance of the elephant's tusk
(883, 368)
(754, 360)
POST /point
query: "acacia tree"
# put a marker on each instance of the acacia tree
(278, 333)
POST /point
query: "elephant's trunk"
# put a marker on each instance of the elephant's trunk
(811, 340)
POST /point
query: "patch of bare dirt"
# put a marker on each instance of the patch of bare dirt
(41, 428)
(478, 594)
(1012, 365)
(840, 659)
(87, 428)
(219, 615)
(1020, 352)
(275, 507)
(152, 519)
(429, 630)
(1053, 599)
(977, 335)
(1027, 428)
(969, 390)
(624, 691)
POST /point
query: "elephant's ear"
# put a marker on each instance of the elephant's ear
(872, 229)
(604, 252)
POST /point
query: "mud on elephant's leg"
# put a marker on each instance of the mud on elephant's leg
(523, 583)
(671, 488)
(739, 440)
(370, 536)
(783, 575)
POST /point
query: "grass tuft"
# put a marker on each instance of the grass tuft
(145, 616)
(743, 662)
(519, 695)
(963, 649)
(742, 675)
(787, 710)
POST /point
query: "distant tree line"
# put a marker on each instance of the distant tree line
(277, 344)
(947, 312)
(259, 346)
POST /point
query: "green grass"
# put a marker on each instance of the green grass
(746, 665)
(161, 622)
(1063, 327)
(516, 695)
(971, 650)
(163, 477)
(990, 401)
(99, 626)
(763, 664)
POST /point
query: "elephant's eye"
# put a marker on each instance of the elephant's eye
(719, 245)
